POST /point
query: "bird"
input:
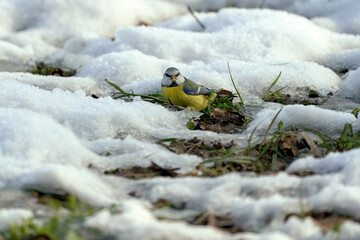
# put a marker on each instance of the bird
(181, 91)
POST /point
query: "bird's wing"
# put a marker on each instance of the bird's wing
(192, 88)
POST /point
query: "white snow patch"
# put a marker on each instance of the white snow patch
(301, 228)
(351, 86)
(343, 60)
(13, 216)
(350, 230)
(92, 119)
(327, 121)
(123, 153)
(137, 222)
(59, 179)
(86, 84)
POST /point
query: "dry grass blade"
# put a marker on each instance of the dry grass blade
(234, 159)
(196, 18)
(313, 147)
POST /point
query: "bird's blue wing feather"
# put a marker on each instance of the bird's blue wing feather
(192, 88)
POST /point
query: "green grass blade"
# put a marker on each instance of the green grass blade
(266, 93)
(232, 80)
(272, 122)
(157, 99)
(262, 4)
(122, 94)
(274, 161)
(115, 86)
(168, 140)
(251, 135)
(157, 95)
(264, 150)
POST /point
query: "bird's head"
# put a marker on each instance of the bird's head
(172, 78)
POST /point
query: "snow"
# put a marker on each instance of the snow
(13, 216)
(303, 116)
(51, 23)
(60, 179)
(91, 118)
(333, 14)
(346, 187)
(124, 151)
(56, 138)
(350, 230)
(350, 87)
(128, 226)
(301, 228)
(343, 60)
(230, 34)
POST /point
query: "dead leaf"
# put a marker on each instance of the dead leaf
(289, 145)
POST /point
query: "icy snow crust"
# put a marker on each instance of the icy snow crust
(52, 129)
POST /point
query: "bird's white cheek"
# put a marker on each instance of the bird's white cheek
(180, 80)
(166, 82)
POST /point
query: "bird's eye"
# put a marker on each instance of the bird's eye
(177, 75)
(167, 75)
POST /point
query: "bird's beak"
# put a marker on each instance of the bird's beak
(173, 78)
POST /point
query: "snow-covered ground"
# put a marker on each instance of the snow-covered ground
(52, 129)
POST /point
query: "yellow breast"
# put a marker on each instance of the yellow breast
(176, 96)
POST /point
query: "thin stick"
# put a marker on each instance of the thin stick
(196, 18)
(313, 147)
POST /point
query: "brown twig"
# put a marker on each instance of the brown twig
(196, 18)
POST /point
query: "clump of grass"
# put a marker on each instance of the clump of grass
(267, 94)
(313, 97)
(43, 69)
(60, 226)
(278, 149)
(259, 158)
(347, 141)
(222, 114)
(69, 202)
(224, 103)
(53, 229)
(355, 112)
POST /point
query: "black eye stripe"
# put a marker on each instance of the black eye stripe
(170, 76)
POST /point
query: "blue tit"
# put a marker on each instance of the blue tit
(178, 90)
